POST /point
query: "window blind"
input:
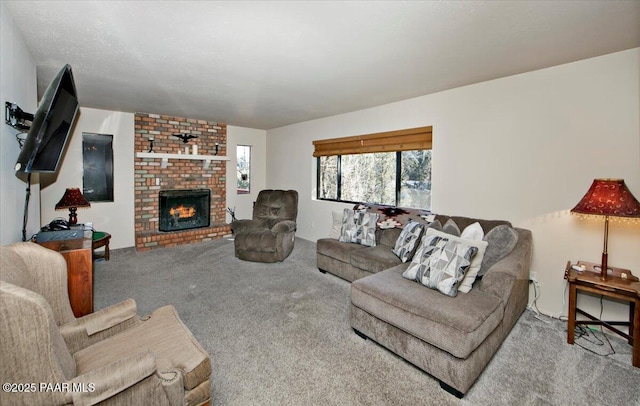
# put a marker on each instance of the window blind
(390, 141)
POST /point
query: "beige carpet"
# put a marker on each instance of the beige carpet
(279, 334)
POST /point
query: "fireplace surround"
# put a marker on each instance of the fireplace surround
(151, 177)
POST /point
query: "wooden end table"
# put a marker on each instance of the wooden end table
(620, 284)
(101, 239)
(77, 253)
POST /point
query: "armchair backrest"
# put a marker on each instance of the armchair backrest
(274, 206)
(40, 270)
(31, 345)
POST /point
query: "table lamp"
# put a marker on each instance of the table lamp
(608, 198)
(72, 199)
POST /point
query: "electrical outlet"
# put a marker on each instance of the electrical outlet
(533, 276)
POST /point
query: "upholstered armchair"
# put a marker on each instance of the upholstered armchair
(270, 235)
(111, 357)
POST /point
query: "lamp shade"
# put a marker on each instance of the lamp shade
(609, 197)
(72, 198)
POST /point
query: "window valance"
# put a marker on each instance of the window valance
(390, 141)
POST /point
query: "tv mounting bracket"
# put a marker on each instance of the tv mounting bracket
(15, 117)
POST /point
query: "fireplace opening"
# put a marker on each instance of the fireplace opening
(183, 209)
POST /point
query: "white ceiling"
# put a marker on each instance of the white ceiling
(265, 64)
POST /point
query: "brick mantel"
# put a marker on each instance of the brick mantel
(150, 177)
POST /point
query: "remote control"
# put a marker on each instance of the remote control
(578, 268)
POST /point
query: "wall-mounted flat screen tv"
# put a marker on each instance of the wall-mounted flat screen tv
(51, 126)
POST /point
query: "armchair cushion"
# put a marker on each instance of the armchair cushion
(165, 335)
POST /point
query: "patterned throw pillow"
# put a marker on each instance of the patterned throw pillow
(359, 227)
(440, 262)
(407, 240)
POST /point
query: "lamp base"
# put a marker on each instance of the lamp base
(73, 216)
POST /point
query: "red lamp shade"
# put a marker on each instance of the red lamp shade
(72, 199)
(608, 198)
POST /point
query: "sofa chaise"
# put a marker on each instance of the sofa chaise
(451, 338)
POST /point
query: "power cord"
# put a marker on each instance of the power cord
(534, 305)
(581, 332)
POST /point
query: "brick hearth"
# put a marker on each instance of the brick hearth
(179, 174)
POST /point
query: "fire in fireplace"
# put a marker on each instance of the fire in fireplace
(183, 209)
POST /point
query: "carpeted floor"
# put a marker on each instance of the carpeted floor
(279, 334)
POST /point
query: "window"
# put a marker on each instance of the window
(243, 167)
(392, 168)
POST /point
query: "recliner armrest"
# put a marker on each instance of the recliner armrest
(284, 227)
(87, 330)
(240, 226)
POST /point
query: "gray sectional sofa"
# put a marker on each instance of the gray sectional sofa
(451, 338)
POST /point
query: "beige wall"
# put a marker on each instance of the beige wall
(257, 140)
(117, 217)
(17, 85)
(523, 148)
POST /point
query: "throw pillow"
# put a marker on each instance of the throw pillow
(407, 240)
(359, 227)
(502, 239)
(473, 232)
(441, 262)
(450, 227)
(470, 276)
(336, 225)
(436, 225)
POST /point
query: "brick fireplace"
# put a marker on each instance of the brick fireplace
(180, 174)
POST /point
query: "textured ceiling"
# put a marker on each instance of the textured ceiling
(267, 64)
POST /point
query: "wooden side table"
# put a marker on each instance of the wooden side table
(78, 254)
(620, 284)
(101, 239)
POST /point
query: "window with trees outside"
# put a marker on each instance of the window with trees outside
(392, 168)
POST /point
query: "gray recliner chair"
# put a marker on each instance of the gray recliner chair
(270, 235)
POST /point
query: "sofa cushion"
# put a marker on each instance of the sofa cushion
(359, 227)
(388, 236)
(336, 249)
(455, 325)
(374, 259)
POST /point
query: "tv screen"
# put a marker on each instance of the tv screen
(51, 126)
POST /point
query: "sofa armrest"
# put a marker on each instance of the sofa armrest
(87, 330)
(286, 226)
(105, 382)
